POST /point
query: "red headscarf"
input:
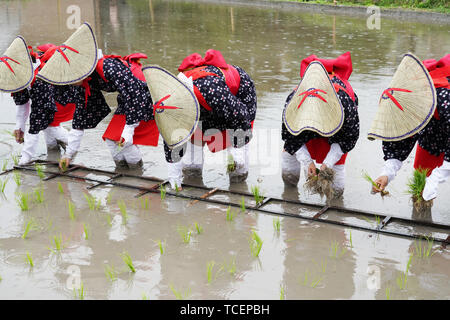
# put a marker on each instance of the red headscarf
(212, 58)
(439, 71)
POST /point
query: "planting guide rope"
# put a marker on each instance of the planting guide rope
(443, 229)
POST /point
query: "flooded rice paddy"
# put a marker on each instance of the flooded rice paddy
(70, 243)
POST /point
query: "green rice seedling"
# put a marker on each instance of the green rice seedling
(276, 224)
(3, 185)
(255, 244)
(22, 200)
(334, 250)
(403, 277)
(71, 208)
(316, 282)
(93, 203)
(128, 261)
(30, 225)
(230, 214)
(162, 246)
(29, 259)
(374, 184)
(60, 188)
(86, 231)
(209, 270)
(424, 251)
(109, 196)
(5, 164)
(110, 273)
(57, 240)
(123, 211)
(15, 159)
(377, 220)
(198, 228)
(351, 241)
(282, 293)
(144, 203)
(257, 194)
(416, 184)
(388, 293)
(162, 189)
(39, 170)
(144, 296)
(231, 266)
(243, 204)
(39, 195)
(17, 178)
(231, 164)
(63, 165)
(79, 293)
(108, 219)
(185, 233)
(180, 295)
(322, 266)
(177, 189)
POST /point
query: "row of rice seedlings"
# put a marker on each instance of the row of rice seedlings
(198, 228)
(374, 184)
(86, 230)
(185, 233)
(416, 184)
(255, 244)
(71, 208)
(128, 261)
(39, 195)
(243, 209)
(79, 293)
(257, 194)
(17, 178)
(179, 295)
(30, 225)
(93, 203)
(39, 170)
(230, 214)
(123, 211)
(424, 251)
(22, 200)
(5, 164)
(334, 250)
(403, 277)
(29, 259)
(162, 190)
(60, 188)
(276, 224)
(3, 185)
(144, 202)
(110, 272)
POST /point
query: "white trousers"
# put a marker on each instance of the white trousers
(291, 167)
(53, 135)
(130, 154)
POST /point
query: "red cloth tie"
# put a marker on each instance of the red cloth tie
(5, 60)
(390, 96)
(159, 105)
(311, 92)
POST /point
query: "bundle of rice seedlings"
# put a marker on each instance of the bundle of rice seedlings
(375, 185)
(415, 188)
(231, 164)
(322, 183)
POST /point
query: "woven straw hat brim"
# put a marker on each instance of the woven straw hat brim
(314, 114)
(22, 66)
(58, 71)
(175, 125)
(393, 124)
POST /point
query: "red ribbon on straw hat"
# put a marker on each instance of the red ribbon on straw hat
(5, 60)
(159, 105)
(311, 92)
(50, 51)
(390, 96)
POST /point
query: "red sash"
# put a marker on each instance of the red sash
(425, 160)
(64, 113)
(318, 149)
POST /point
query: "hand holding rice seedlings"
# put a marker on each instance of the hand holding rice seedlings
(257, 194)
(22, 200)
(276, 224)
(162, 189)
(39, 170)
(111, 273)
(63, 164)
(375, 185)
(180, 295)
(402, 278)
(3, 185)
(128, 261)
(30, 225)
(322, 183)
(415, 188)
(17, 178)
(231, 164)
(185, 233)
(230, 214)
(255, 244)
(198, 228)
(71, 208)
(123, 210)
(39, 195)
(60, 188)
(29, 259)
(425, 251)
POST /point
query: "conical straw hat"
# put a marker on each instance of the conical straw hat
(81, 53)
(175, 125)
(315, 105)
(407, 105)
(16, 67)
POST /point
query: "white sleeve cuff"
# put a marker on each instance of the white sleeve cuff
(390, 168)
(303, 156)
(74, 142)
(439, 175)
(23, 110)
(128, 132)
(333, 155)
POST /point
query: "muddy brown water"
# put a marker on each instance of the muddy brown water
(305, 260)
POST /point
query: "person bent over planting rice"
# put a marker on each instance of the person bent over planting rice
(49, 105)
(416, 108)
(227, 98)
(321, 124)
